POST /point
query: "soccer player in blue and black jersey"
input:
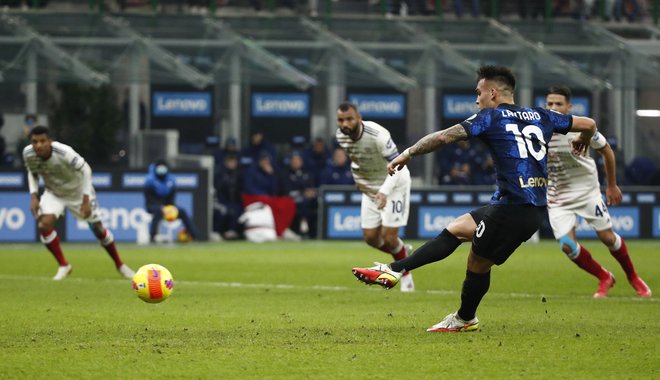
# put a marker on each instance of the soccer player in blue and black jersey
(517, 138)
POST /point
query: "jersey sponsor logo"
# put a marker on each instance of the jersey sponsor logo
(625, 221)
(533, 182)
(280, 104)
(432, 220)
(191, 104)
(380, 106)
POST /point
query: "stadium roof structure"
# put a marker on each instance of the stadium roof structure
(296, 50)
(330, 54)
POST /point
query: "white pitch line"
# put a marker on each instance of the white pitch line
(321, 287)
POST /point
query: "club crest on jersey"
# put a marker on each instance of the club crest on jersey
(533, 182)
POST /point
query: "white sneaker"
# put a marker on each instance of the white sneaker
(290, 235)
(62, 272)
(454, 323)
(407, 284)
(125, 271)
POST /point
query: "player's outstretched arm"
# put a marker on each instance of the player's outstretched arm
(612, 193)
(427, 144)
(587, 128)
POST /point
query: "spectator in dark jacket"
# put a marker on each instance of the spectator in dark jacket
(338, 172)
(228, 183)
(298, 184)
(260, 178)
(316, 158)
(160, 191)
(260, 185)
(250, 154)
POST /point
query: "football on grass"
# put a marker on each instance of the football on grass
(153, 283)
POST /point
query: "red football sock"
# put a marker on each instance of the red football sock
(401, 254)
(398, 254)
(52, 242)
(587, 262)
(621, 255)
(108, 243)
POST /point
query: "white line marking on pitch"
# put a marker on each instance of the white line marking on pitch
(319, 287)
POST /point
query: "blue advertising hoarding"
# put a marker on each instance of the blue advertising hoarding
(625, 221)
(344, 222)
(182, 104)
(580, 104)
(16, 220)
(123, 213)
(656, 222)
(432, 220)
(12, 180)
(459, 106)
(377, 106)
(276, 104)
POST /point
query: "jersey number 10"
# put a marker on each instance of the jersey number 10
(524, 140)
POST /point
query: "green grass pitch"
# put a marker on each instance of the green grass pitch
(295, 311)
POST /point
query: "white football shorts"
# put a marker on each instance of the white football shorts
(594, 211)
(52, 204)
(394, 214)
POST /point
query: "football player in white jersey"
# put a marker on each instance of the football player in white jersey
(573, 190)
(68, 184)
(385, 199)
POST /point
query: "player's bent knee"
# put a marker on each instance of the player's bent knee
(478, 264)
(608, 237)
(569, 246)
(462, 227)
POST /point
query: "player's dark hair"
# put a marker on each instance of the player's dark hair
(345, 106)
(500, 74)
(40, 130)
(561, 90)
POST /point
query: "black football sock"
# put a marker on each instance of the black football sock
(433, 250)
(475, 287)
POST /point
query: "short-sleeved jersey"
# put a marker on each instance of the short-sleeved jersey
(369, 156)
(571, 178)
(517, 138)
(61, 172)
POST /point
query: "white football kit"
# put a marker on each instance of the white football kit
(66, 178)
(369, 155)
(573, 187)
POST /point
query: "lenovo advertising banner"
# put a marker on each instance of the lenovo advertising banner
(580, 104)
(280, 113)
(186, 109)
(386, 109)
(432, 209)
(121, 198)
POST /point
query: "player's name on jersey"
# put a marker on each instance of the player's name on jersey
(533, 182)
(524, 115)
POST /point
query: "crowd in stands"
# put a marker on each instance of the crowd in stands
(287, 183)
(631, 10)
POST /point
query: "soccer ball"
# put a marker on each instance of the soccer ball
(153, 283)
(170, 213)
